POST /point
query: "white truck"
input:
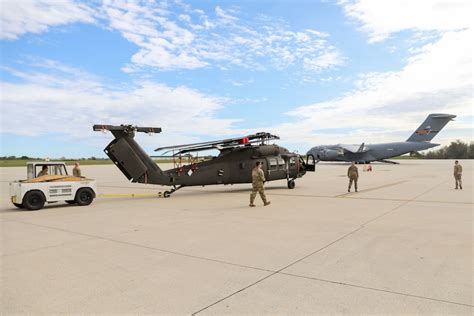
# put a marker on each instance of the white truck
(56, 186)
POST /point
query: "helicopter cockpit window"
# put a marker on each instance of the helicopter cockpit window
(292, 161)
(273, 163)
(281, 162)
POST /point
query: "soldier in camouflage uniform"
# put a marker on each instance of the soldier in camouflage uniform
(77, 170)
(353, 175)
(258, 179)
(458, 174)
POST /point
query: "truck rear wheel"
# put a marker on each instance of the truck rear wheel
(84, 196)
(34, 200)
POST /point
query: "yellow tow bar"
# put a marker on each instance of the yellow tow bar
(159, 195)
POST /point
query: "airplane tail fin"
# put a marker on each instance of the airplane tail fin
(433, 124)
(129, 157)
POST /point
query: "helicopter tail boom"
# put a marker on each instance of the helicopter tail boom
(129, 156)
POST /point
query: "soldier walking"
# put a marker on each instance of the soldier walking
(353, 175)
(458, 175)
(77, 170)
(258, 179)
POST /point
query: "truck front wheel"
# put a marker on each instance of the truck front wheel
(18, 205)
(34, 200)
(84, 196)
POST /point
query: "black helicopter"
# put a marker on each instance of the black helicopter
(233, 165)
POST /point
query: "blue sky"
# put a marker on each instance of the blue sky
(314, 72)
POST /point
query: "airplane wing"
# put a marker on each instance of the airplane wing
(354, 148)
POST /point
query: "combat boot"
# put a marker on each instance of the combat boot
(267, 203)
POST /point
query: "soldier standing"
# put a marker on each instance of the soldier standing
(258, 179)
(458, 175)
(353, 175)
(77, 170)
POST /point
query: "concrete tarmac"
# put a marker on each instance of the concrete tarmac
(402, 245)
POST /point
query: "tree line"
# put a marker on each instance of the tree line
(456, 150)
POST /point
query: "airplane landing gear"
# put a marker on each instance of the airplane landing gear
(167, 194)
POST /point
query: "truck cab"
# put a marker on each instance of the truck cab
(34, 192)
(55, 168)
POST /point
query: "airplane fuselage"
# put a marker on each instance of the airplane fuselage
(419, 140)
(372, 152)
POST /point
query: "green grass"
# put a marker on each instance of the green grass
(88, 162)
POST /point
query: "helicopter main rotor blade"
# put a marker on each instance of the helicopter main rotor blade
(220, 144)
(126, 128)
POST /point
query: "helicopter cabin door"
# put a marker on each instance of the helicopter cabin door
(276, 168)
(246, 168)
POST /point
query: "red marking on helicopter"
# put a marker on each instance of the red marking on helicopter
(244, 141)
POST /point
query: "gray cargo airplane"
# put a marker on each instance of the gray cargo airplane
(419, 140)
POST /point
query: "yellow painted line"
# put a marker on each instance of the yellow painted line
(130, 195)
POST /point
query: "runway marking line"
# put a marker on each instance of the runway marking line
(271, 271)
(372, 189)
(351, 195)
(362, 226)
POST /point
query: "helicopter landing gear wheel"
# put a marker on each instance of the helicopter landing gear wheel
(167, 194)
(291, 184)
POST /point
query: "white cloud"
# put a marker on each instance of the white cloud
(185, 17)
(68, 101)
(169, 41)
(328, 59)
(380, 19)
(389, 106)
(173, 35)
(224, 16)
(18, 17)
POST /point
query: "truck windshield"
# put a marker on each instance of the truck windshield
(53, 170)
